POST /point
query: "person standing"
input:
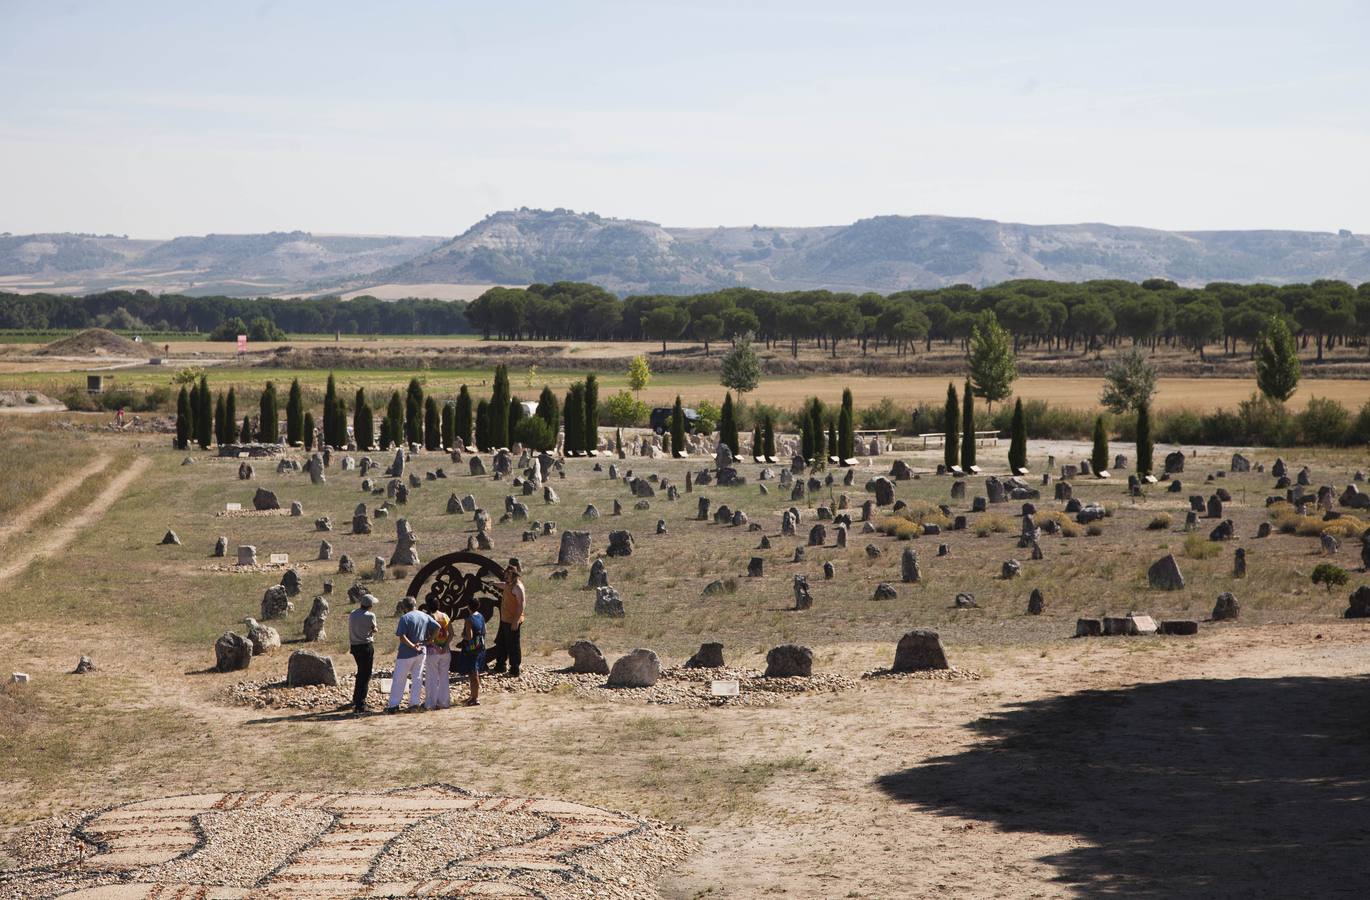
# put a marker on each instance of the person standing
(471, 656)
(412, 630)
(361, 633)
(508, 643)
(438, 665)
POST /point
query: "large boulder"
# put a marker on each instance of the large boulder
(919, 649)
(264, 638)
(306, 668)
(1164, 574)
(575, 548)
(1227, 607)
(586, 659)
(638, 669)
(789, 661)
(264, 500)
(232, 652)
(620, 544)
(710, 656)
(1359, 607)
(276, 602)
(607, 602)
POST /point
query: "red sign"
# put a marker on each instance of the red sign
(242, 343)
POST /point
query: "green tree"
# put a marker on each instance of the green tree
(220, 423)
(591, 434)
(413, 412)
(231, 414)
(465, 417)
(192, 409)
(677, 427)
(573, 419)
(1129, 383)
(625, 410)
(515, 416)
(339, 440)
(432, 427)
(534, 433)
(1198, 323)
(816, 436)
(245, 436)
(308, 430)
(499, 409)
(449, 426)
(483, 438)
(364, 424)
(1091, 319)
(741, 370)
(639, 373)
(727, 425)
(1144, 447)
(549, 410)
(269, 426)
(1277, 361)
(204, 416)
(183, 419)
(967, 428)
(708, 328)
(1017, 444)
(664, 323)
(330, 394)
(951, 427)
(832, 444)
(294, 414)
(394, 421)
(846, 428)
(768, 436)
(992, 369)
(263, 329)
(1098, 456)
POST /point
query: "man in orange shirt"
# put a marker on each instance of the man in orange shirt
(508, 648)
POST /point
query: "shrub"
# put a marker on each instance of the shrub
(885, 414)
(1180, 426)
(709, 414)
(532, 431)
(1324, 422)
(909, 521)
(1067, 526)
(1266, 422)
(991, 523)
(1159, 522)
(1094, 529)
(625, 410)
(1329, 576)
(1196, 546)
(899, 527)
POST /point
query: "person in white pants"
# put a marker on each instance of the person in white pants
(413, 630)
(438, 665)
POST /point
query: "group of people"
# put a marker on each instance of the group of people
(424, 658)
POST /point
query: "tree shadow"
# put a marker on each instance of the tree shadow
(1204, 788)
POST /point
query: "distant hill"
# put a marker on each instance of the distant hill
(885, 254)
(235, 264)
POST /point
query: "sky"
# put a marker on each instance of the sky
(156, 119)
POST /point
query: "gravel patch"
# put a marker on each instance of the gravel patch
(276, 836)
(249, 570)
(954, 673)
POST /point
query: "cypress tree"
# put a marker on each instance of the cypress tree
(394, 421)
(677, 427)
(413, 413)
(498, 410)
(465, 422)
(618, 441)
(220, 423)
(192, 406)
(573, 415)
(330, 392)
(364, 426)
(1144, 439)
(1017, 444)
(183, 419)
(269, 426)
(820, 449)
(515, 415)
(727, 424)
(307, 430)
(549, 410)
(294, 414)
(357, 403)
(805, 433)
(204, 416)
(449, 426)
(967, 429)
(757, 445)
(846, 427)
(340, 423)
(245, 436)
(231, 414)
(1098, 457)
(769, 437)
(483, 425)
(590, 439)
(832, 440)
(432, 433)
(951, 427)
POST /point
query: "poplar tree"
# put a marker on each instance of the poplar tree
(269, 426)
(294, 415)
(465, 417)
(498, 409)
(1098, 457)
(967, 429)
(1017, 444)
(951, 426)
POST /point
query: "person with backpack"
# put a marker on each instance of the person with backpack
(471, 653)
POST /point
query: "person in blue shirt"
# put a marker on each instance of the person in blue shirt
(471, 656)
(412, 629)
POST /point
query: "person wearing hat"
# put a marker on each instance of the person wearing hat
(438, 668)
(361, 633)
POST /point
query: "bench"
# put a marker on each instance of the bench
(981, 438)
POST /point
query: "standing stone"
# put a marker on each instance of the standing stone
(306, 668)
(918, 650)
(1227, 607)
(264, 638)
(640, 668)
(1329, 544)
(1036, 602)
(232, 652)
(575, 548)
(802, 598)
(607, 602)
(885, 591)
(908, 566)
(818, 535)
(1164, 574)
(346, 566)
(1010, 569)
(325, 550)
(828, 571)
(265, 500)
(884, 491)
(221, 548)
(755, 567)
(599, 576)
(709, 656)
(1359, 607)
(789, 661)
(661, 524)
(620, 544)
(406, 553)
(587, 659)
(316, 620)
(1239, 563)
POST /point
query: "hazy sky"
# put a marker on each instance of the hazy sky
(158, 119)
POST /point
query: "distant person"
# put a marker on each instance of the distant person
(471, 653)
(361, 634)
(508, 643)
(438, 665)
(119, 417)
(412, 630)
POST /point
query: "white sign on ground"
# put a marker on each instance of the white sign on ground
(726, 688)
(280, 559)
(233, 507)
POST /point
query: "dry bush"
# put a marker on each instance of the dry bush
(1286, 520)
(1094, 529)
(924, 512)
(991, 523)
(1196, 546)
(1159, 522)
(1068, 526)
(899, 527)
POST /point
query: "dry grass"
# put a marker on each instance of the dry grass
(1159, 522)
(1067, 526)
(1285, 518)
(1196, 546)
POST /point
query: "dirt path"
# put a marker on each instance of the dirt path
(59, 493)
(64, 533)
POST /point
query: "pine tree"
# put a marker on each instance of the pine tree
(330, 393)
(231, 415)
(573, 414)
(498, 410)
(204, 416)
(549, 410)
(1017, 444)
(951, 427)
(432, 434)
(805, 434)
(727, 424)
(183, 419)
(220, 423)
(846, 427)
(307, 430)
(483, 425)
(449, 426)
(394, 421)
(618, 441)
(1098, 457)
(591, 436)
(465, 420)
(677, 427)
(413, 413)
(269, 426)
(294, 414)
(1144, 440)
(967, 429)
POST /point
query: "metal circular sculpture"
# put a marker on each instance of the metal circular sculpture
(459, 582)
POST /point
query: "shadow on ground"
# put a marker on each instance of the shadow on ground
(1246, 787)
